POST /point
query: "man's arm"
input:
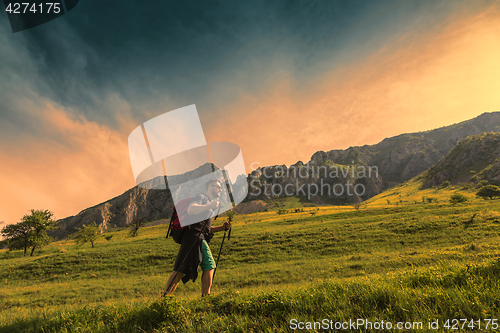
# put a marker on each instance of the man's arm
(225, 226)
(195, 208)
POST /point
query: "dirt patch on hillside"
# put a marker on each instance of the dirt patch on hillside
(250, 207)
(158, 222)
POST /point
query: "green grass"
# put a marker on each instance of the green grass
(410, 193)
(406, 261)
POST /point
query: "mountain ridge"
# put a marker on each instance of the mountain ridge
(397, 159)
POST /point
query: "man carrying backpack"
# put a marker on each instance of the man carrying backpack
(194, 249)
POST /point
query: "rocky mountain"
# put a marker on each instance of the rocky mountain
(149, 202)
(334, 177)
(391, 162)
(136, 203)
(326, 183)
(404, 156)
(475, 158)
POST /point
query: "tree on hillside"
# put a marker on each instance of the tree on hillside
(134, 226)
(3, 243)
(489, 191)
(39, 221)
(18, 235)
(88, 233)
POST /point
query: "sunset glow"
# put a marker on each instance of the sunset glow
(280, 100)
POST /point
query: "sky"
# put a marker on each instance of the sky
(281, 79)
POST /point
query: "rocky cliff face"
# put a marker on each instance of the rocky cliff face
(474, 159)
(150, 202)
(328, 183)
(396, 159)
(402, 157)
(334, 177)
(136, 203)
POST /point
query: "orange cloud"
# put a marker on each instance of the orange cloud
(88, 165)
(419, 82)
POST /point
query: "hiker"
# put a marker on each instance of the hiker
(194, 249)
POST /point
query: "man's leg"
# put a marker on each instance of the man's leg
(207, 266)
(206, 282)
(172, 283)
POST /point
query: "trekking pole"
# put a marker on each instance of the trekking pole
(220, 250)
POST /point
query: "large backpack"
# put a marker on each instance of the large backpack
(179, 214)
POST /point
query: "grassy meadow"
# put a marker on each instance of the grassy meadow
(406, 255)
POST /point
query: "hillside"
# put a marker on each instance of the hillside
(474, 159)
(402, 157)
(386, 164)
(399, 261)
(395, 160)
(149, 202)
(473, 163)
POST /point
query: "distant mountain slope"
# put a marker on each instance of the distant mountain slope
(473, 161)
(136, 203)
(475, 158)
(404, 156)
(146, 204)
(396, 159)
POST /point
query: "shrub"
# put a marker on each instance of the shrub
(458, 198)
(465, 186)
(488, 191)
(482, 183)
(444, 184)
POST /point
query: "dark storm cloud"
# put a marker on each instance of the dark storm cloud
(280, 78)
(148, 50)
(168, 53)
